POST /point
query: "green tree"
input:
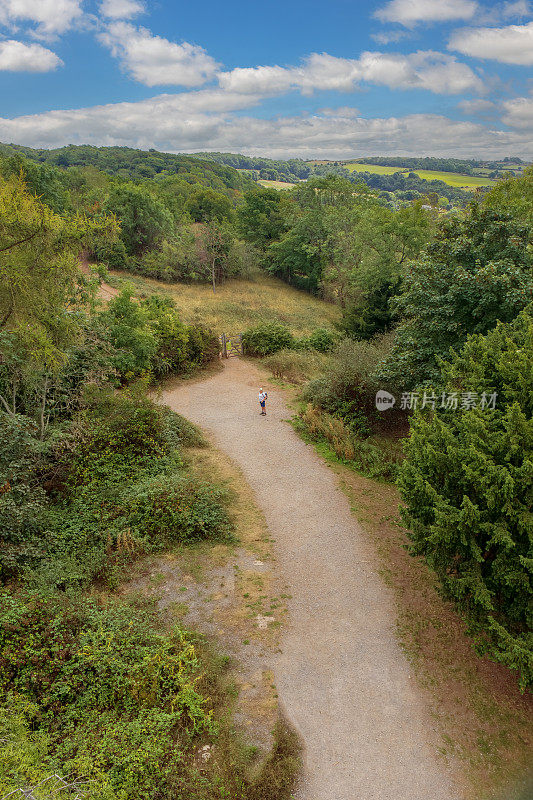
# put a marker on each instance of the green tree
(261, 219)
(40, 277)
(206, 205)
(514, 196)
(476, 272)
(467, 485)
(144, 220)
(298, 257)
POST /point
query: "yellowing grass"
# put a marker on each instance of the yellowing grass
(276, 184)
(239, 304)
(451, 178)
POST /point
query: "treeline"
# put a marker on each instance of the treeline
(332, 238)
(136, 165)
(173, 226)
(399, 185)
(463, 166)
(293, 169)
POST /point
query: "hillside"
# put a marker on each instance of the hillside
(126, 162)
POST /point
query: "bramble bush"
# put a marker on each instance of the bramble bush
(467, 485)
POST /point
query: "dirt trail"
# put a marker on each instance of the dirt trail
(341, 676)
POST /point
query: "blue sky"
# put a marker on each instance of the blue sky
(335, 80)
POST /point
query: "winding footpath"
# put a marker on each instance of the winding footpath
(342, 679)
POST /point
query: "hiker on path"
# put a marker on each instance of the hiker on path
(262, 401)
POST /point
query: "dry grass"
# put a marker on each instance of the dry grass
(238, 304)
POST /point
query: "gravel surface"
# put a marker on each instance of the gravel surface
(342, 679)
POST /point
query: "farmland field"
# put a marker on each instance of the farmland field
(451, 178)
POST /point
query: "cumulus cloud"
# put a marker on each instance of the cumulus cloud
(52, 17)
(510, 45)
(18, 57)
(154, 61)
(121, 9)
(518, 113)
(411, 12)
(205, 120)
(478, 106)
(429, 70)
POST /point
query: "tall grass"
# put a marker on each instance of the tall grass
(239, 304)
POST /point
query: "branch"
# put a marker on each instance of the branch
(22, 241)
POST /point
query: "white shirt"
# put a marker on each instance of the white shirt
(262, 396)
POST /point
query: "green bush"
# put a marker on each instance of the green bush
(108, 698)
(203, 345)
(266, 338)
(321, 340)
(467, 485)
(173, 508)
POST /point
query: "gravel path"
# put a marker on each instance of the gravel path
(341, 676)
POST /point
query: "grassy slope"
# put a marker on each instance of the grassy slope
(451, 178)
(241, 303)
(276, 184)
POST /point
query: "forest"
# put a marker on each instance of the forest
(433, 304)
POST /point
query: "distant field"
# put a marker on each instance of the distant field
(451, 178)
(276, 184)
(241, 303)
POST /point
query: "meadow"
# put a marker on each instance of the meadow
(451, 178)
(238, 303)
(276, 184)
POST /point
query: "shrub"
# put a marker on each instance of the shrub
(348, 387)
(321, 339)
(202, 346)
(173, 508)
(467, 487)
(22, 499)
(266, 338)
(108, 697)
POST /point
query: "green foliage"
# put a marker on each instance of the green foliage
(108, 698)
(514, 196)
(266, 338)
(372, 315)
(39, 270)
(168, 509)
(320, 339)
(205, 205)
(347, 387)
(260, 218)
(144, 220)
(467, 486)
(22, 499)
(295, 366)
(477, 271)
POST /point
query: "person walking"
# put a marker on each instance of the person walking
(262, 401)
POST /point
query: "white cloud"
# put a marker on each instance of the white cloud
(511, 45)
(51, 16)
(204, 120)
(18, 57)
(121, 9)
(411, 12)
(477, 106)
(429, 70)
(520, 8)
(386, 37)
(154, 61)
(518, 113)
